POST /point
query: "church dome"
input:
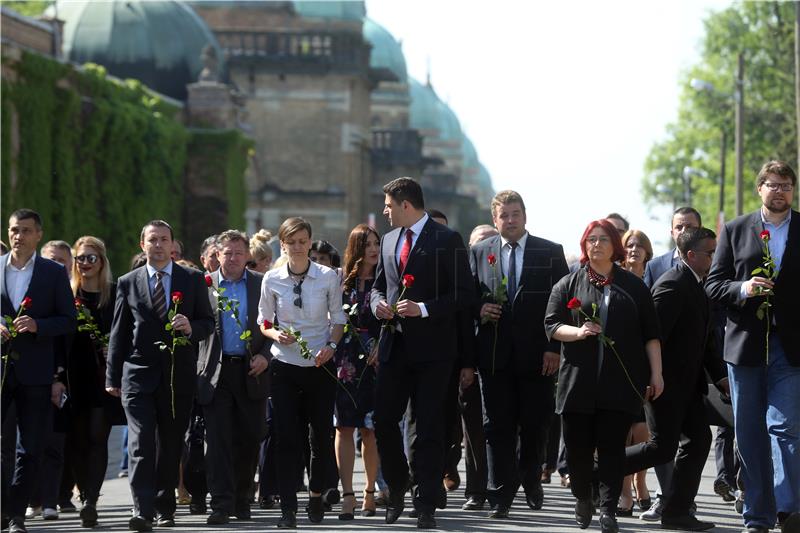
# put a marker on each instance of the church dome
(341, 10)
(386, 51)
(428, 112)
(156, 42)
(469, 153)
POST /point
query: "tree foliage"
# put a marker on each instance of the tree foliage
(764, 33)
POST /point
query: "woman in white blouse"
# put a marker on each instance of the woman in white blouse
(306, 297)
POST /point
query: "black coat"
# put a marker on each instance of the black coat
(739, 252)
(631, 323)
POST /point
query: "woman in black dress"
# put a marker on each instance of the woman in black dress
(602, 387)
(94, 411)
(355, 359)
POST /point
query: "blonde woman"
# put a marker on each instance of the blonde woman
(260, 251)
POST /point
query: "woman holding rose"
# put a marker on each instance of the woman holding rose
(300, 296)
(611, 363)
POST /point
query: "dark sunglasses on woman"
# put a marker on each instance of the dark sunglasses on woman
(88, 258)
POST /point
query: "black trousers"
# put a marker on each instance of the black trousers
(313, 389)
(35, 422)
(425, 383)
(726, 457)
(235, 424)
(471, 406)
(606, 432)
(519, 408)
(89, 438)
(677, 422)
(155, 443)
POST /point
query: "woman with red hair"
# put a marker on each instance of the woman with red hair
(611, 364)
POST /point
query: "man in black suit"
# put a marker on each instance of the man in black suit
(516, 361)
(682, 219)
(417, 351)
(37, 296)
(231, 385)
(763, 352)
(156, 388)
(678, 416)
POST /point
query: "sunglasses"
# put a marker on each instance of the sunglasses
(89, 258)
(298, 290)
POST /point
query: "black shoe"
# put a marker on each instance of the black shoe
(140, 523)
(88, 515)
(315, 510)
(267, 502)
(217, 518)
(535, 501)
(625, 512)
(789, 523)
(724, 491)
(395, 506)
(608, 523)
(425, 520)
(584, 510)
(645, 504)
(331, 496)
(684, 523)
(165, 520)
(473, 503)
(67, 507)
(17, 525)
(413, 513)
(198, 507)
(499, 512)
(288, 520)
(4, 521)
(242, 511)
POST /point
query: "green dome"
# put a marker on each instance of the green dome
(428, 112)
(469, 153)
(331, 9)
(386, 52)
(484, 179)
(156, 42)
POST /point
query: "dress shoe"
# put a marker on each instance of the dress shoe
(315, 510)
(499, 512)
(49, 513)
(608, 523)
(451, 481)
(67, 507)
(17, 525)
(724, 491)
(217, 518)
(368, 504)
(140, 523)
(198, 507)
(684, 523)
(267, 502)
(654, 513)
(473, 503)
(395, 505)
(584, 510)
(88, 515)
(546, 476)
(165, 520)
(644, 504)
(242, 511)
(625, 512)
(789, 523)
(413, 513)
(288, 520)
(535, 501)
(425, 520)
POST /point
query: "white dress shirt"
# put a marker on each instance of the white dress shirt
(416, 228)
(18, 280)
(505, 255)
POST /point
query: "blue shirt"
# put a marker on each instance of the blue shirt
(166, 282)
(234, 290)
(778, 237)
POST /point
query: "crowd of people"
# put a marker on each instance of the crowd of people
(411, 349)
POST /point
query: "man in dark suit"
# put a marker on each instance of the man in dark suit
(231, 386)
(763, 353)
(682, 219)
(156, 388)
(678, 416)
(417, 351)
(516, 361)
(36, 295)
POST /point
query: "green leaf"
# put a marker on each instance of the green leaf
(757, 271)
(760, 313)
(168, 326)
(171, 314)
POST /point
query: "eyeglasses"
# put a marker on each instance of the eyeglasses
(88, 258)
(298, 290)
(775, 187)
(594, 241)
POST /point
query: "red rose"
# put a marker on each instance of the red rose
(177, 297)
(408, 281)
(267, 324)
(209, 281)
(492, 259)
(26, 303)
(78, 303)
(765, 235)
(574, 303)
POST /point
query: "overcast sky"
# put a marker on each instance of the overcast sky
(563, 100)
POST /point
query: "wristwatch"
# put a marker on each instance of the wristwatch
(331, 344)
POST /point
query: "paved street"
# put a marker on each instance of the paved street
(556, 516)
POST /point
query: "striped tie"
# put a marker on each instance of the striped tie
(159, 299)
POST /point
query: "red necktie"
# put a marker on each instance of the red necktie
(405, 251)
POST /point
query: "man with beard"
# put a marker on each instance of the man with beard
(762, 349)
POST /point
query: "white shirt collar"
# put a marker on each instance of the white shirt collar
(521, 242)
(698, 278)
(419, 224)
(24, 267)
(151, 271)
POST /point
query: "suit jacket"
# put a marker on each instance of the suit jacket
(440, 268)
(210, 356)
(739, 252)
(521, 338)
(135, 363)
(687, 343)
(53, 308)
(657, 266)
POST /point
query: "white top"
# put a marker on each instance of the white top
(505, 254)
(322, 298)
(18, 279)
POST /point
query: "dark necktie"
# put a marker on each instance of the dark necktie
(405, 251)
(512, 272)
(159, 299)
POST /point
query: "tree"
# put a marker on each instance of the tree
(764, 33)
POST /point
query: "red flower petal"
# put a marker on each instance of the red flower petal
(574, 303)
(26, 302)
(492, 259)
(209, 281)
(765, 235)
(408, 281)
(267, 324)
(177, 297)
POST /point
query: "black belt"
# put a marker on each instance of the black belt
(233, 358)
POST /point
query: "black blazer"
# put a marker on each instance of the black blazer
(53, 308)
(631, 322)
(520, 342)
(739, 252)
(687, 344)
(210, 356)
(442, 282)
(134, 361)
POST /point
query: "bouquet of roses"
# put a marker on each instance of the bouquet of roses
(178, 339)
(12, 330)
